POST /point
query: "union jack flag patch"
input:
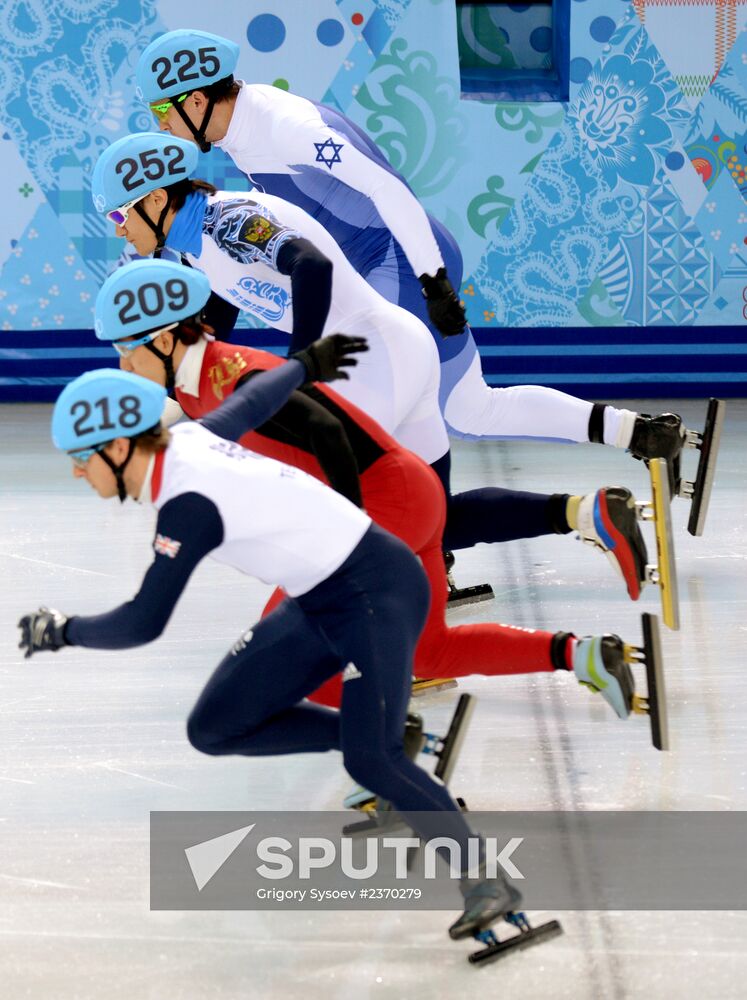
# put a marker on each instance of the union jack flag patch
(166, 546)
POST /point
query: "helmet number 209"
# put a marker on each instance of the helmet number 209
(152, 165)
(152, 300)
(129, 414)
(184, 60)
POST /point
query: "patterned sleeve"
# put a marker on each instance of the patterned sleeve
(246, 231)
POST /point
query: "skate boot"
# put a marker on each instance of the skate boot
(485, 901)
(608, 520)
(662, 436)
(665, 436)
(599, 663)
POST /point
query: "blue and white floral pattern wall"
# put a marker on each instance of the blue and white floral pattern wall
(627, 207)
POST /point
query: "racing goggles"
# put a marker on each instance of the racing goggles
(125, 347)
(161, 109)
(119, 215)
(80, 458)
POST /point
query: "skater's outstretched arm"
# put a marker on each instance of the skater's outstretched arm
(187, 529)
(259, 398)
(255, 401)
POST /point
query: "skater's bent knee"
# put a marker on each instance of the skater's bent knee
(202, 738)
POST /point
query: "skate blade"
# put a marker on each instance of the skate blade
(451, 746)
(459, 596)
(658, 511)
(654, 704)
(518, 942)
(708, 443)
(425, 685)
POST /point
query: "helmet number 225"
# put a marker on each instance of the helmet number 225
(184, 60)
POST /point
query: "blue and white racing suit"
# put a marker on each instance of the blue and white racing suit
(316, 158)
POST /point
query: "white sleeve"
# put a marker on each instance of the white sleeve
(171, 412)
(398, 207)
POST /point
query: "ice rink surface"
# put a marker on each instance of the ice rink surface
(91, 742)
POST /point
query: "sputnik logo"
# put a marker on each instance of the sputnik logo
(207, 858)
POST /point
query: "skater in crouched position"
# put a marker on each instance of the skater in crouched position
(349, 582)
(328, 437)
(275, 261)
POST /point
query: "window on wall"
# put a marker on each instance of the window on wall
(514, 51)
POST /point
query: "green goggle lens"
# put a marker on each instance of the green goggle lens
(162, 109)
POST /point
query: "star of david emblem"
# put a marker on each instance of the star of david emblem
(328, 152)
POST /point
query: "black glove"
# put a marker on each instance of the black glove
(42, 629)
(325, 358)
(444, 308)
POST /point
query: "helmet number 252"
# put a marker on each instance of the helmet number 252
(150, 165)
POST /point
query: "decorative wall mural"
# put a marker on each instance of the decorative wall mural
(626, 207)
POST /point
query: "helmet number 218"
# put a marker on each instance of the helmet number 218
(129, 414)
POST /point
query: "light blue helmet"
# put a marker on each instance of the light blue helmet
(138, 164)
(102, 405)
(182, 61)
(147, 294)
